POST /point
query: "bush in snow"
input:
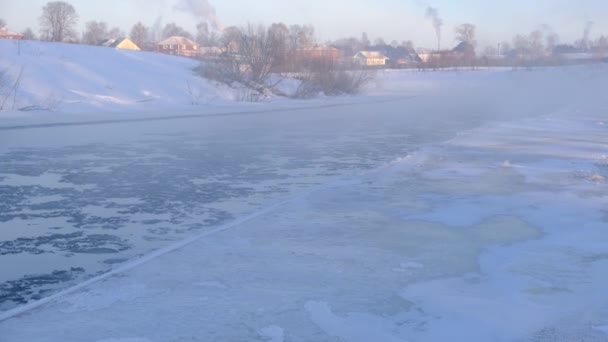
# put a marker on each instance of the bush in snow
(326, 76)
(9, 88)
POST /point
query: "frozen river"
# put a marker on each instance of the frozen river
(403, 217)
(77, 200)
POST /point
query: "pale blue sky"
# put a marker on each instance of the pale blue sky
(497, 20)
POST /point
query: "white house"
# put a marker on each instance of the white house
(370, 58)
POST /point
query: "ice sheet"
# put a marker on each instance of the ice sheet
(495, 235)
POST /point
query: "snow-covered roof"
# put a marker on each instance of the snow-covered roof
(177, 40)
(372, 54)
(119, 41)
(577, 56)
(107, 42)
(4, 32)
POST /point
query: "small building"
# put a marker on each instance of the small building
(121, 43)
(401, 56)
(426, 57)
(370, 58)
(571, 54)
(180, 46)
(210, 51)
(577, 56)
(319, 52)
(461, 55)
(464, 50)
(7, 34)
(312, 57)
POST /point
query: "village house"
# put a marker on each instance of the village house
(210, 51)
(6, 34)
(571, 54)
(319, 52)
(180, 46)
(121, 43)
(426, 57)
(313, 55)
(370, 58)
(459, 55)
(401, 57)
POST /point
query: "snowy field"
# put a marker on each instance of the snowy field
(464, 206)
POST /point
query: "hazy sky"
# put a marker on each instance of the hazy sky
(497, 20)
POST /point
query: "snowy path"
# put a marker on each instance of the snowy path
(495, 235)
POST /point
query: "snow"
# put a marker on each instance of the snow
(273, 333)
(46, 180)
(356, 327)
(136, 339)
(602, 328)
(470, 207)
(86, 79)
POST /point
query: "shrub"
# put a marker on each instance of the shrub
(327, 77)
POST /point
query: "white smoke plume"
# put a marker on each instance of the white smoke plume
(587, 31)
(433, 15)
(201, 10)
(156, 29)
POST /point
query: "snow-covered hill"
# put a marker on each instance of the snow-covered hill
(75, 79)
(78, 78)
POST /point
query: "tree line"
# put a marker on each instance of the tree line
(59, 19)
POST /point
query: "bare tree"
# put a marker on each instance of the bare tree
(172, 29)
(278, 34)
(254, 51)
(601, 45)
(301, 36)
(213, 39)
(490, 51)
(251, 58)
(28, 34)
(258, 53)
(408, 45)
(230, 39)
(350, 46)
(57, 21)
(202, 34)
(465, 33)
(139, 34)
(327, 76)
(95, 32)
(116, 32)
(9, 89)
(537, 48)
(380, 42)
(2, 23)
(504, 48)
(522, 45)
(551, 41)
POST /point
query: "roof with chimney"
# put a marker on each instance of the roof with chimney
(464, 48)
